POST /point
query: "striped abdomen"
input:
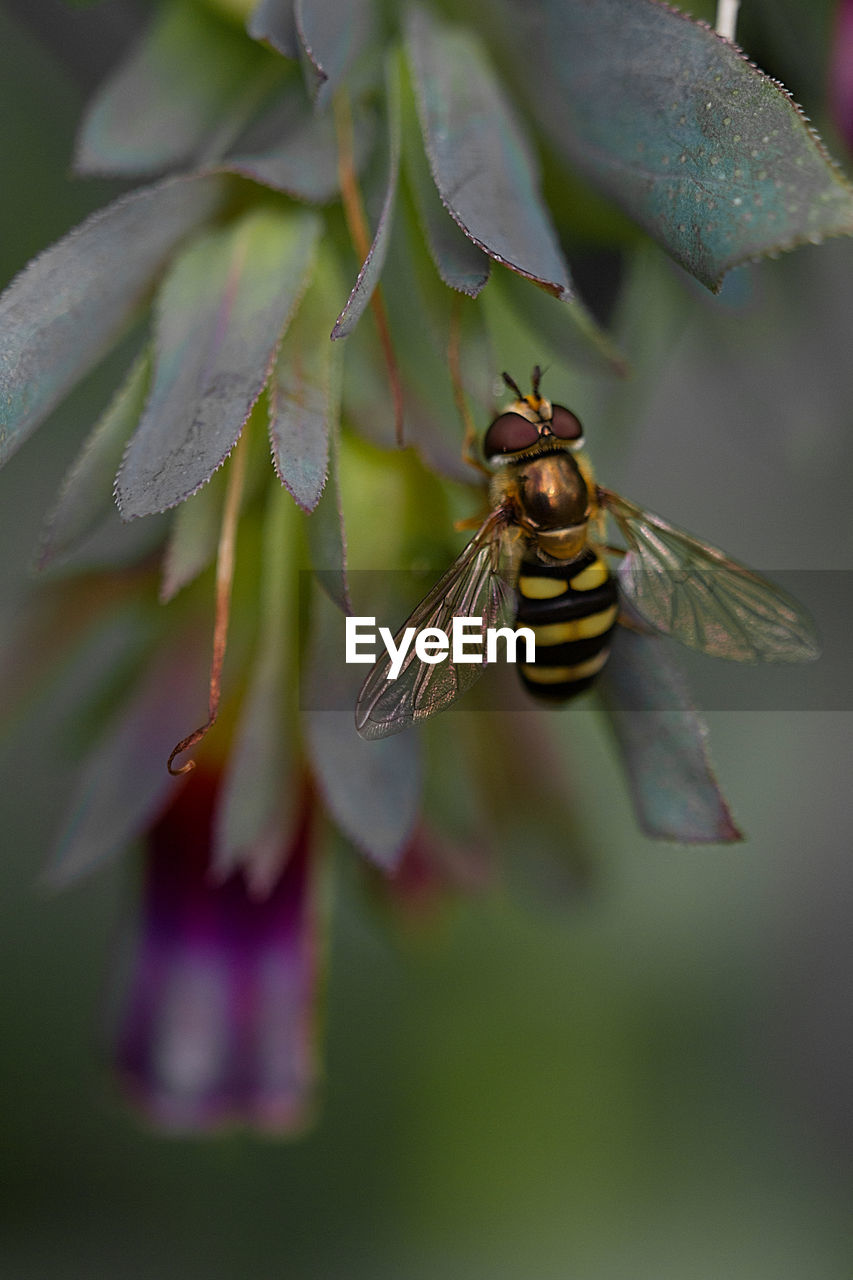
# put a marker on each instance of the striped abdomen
(572, 610)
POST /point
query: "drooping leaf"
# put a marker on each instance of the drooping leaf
(673, 123)
(64, 310)
(372, 789)
(185, 86)
(460, 263)
(86, 496)
(292, 149)
(480, 160)
(259, 803)
(274, 22)
(368, 276)
(193, 537)
(124, 781)
(661, 738)
(304, 398)
(331, 35)
(221, 312)
(411, 287)
(327, 541)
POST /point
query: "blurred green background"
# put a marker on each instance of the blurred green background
(651, 1078)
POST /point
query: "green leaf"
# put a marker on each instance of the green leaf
(432, 421)
(372, 789)
(64, 310)
(274, 22)
(480, 159)
(184, 88)
(292, 149)
(661, 738)
(460, 263)
(331, 34)
(368, 276)
(221, 313)
(86, 496)
(304, 395)
(327, 542)
(193, 537)
(124, 781)
(672, 122)
(259, 804)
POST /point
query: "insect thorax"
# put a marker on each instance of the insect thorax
(550, 495)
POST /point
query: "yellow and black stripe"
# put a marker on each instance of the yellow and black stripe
(572, 610)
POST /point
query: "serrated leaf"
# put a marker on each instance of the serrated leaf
(480, 160)
(193, 537)
(184, 87)
(372, 789)
(331, 34)
(261, 789)
(86, 496)
(368, 276)
(324, 527)
(672, 122)
(124, 781)
(274, 22)
(292, 149)
(410, 287)
(304, 393)
(221, 312)
(64, 310)
(460, 263)
(661, 738)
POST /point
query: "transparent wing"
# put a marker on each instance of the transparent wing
(479, 583)
(707, 601)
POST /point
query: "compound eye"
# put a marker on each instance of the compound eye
(509, 433)
(564, 424)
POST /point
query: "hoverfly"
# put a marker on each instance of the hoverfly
(538, 555)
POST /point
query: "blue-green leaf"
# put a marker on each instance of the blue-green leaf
(221, 313)
(432, 420)
(331, 35)
(480, 159)
(672, 122)
(292, 149)
(86, 496)
(64, 310)
(662, 741)
(372, 789)
(460, 263)
(274, 22)
(368, 276)
(304, 393)
(184, 88)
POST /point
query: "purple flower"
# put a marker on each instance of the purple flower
(219, 1024)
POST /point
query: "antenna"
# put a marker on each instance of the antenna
(537, 378)
(513, 385)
